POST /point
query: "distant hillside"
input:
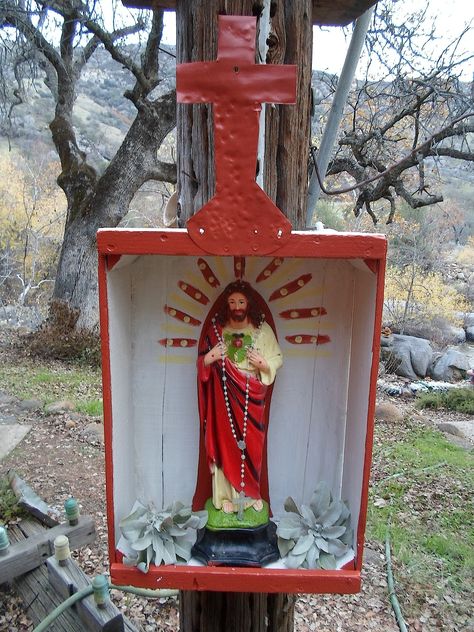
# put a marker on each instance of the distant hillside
(102, 116)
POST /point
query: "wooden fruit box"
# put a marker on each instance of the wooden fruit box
(325, 292)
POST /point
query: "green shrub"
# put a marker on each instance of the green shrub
(460, 400)
(430, 400)
(9, 508)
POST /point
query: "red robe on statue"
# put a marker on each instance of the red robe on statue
(218, 446)
(220, 443)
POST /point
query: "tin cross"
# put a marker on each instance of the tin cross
(240, 216)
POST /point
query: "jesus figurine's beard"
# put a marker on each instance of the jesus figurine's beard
(238, 315)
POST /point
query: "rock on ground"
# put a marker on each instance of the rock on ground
(450, 366)
(57, 408)
(386, 411)
(407, 356)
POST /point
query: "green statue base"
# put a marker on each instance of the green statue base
(218, 520)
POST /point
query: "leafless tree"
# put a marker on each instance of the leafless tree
(399, 127)
(56, 39)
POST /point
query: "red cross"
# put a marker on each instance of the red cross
(240, 218)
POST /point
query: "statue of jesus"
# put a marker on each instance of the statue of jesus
(238, 359)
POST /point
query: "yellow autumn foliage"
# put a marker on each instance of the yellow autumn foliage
(32, 212)
(466, 254)
(413, 295)
(29, 198)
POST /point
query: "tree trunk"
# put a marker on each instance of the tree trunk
(105, 203)
(285, 180)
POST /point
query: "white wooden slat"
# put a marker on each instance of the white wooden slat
(290, 415)
(119, 312)
(359, 385)
(156, 424)
(328, 419)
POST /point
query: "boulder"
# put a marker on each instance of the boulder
(470, 333)
(57, 408)
(20, 316)
(453, 335)
(469, 319)
(452, 429)
(94, 433)
(450, 366)
(438, 329)
(30, 404)
(406, 356)
(7, 400)
(387, 411)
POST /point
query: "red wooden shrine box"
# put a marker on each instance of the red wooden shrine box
(325, 292)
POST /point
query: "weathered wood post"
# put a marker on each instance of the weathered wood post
(287, 130)
(285, 181)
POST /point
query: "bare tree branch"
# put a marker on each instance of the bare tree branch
(390, 177)
(20, 20)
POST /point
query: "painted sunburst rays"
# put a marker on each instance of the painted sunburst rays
(293, 298)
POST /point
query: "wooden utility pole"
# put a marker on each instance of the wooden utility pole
(285, 181)
(235, 612)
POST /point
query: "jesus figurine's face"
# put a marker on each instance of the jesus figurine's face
(238, 307)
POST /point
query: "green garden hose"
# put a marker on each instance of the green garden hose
(88, 590)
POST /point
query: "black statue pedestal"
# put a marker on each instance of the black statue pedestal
(254, 546)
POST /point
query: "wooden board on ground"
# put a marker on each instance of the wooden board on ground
(69, 579)
(37, 544)
(38, 594)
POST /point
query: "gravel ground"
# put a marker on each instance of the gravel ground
(58, 459)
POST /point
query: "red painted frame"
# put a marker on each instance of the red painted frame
(112, 244)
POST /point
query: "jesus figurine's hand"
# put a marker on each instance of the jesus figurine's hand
(258, 361)
(215, 353)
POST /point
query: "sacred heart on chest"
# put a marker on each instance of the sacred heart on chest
(237, 345)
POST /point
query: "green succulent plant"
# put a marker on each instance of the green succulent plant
(159, 537)
(315, 536)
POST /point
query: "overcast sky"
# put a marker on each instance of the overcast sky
(330, 44)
